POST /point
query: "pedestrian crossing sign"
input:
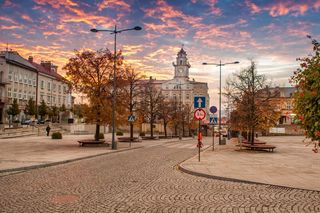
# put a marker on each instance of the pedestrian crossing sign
(131, 118)
(213, 120)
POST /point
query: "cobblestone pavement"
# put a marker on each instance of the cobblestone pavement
(142, 180)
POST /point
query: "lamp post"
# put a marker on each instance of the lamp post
(220, 65)
(115, 32)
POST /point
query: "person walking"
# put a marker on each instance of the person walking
(48, 130)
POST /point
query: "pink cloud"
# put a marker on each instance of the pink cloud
(317, 4)
(56, 3)
(173, 21)
(252, 6)
(280, 8)
(26, 17)
(114, 4)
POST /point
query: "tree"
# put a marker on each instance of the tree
(131, 91)
(165, 113)
(91, 73)
(307, 97)
(42, 109)
(150, 103)
(54, 113)
(251, 98)
(14, 108)
(62, 108)
(30, 107)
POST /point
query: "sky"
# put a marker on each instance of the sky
(270, 32)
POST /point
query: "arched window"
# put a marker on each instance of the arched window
(180, 62)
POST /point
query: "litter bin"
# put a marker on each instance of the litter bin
(223, 141)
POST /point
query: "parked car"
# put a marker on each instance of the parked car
(26, 122)
(40, 121)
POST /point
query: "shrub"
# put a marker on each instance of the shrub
(142, 134)
(56, 135)
(119, 133)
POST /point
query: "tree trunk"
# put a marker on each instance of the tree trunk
(131, 131)
(151, 128)
(165, 128)
(96, 136)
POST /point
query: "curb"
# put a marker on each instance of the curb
(199, 174)
(26, 168)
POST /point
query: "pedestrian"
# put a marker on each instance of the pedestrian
(48, 130)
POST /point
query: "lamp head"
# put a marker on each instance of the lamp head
(236, 62)
(94, 30)
(204, 63)
(137, 28)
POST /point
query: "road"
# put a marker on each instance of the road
(142, 180)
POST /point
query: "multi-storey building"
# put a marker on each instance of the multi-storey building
(181, 87)
(23, 79)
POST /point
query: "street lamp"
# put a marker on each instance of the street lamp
(115, 32)
(220, 65)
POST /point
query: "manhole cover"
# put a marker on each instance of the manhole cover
(63, 199)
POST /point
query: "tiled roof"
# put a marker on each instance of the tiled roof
(15, 58)
(43, 70)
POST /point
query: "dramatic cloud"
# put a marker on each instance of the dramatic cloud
(272, 33)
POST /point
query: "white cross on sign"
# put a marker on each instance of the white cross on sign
(199, 114)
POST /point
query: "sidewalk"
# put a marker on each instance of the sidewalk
(23, 153)
(292, 164)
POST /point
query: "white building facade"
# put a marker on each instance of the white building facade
(23, 79)
(181, 87)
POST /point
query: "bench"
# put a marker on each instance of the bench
(258, 147)
(127, 139)
(86, 142)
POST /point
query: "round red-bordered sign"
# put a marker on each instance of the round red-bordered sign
(199, 114)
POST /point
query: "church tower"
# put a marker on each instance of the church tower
(181, 67)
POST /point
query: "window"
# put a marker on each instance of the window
(10, 75)
(14, 93)
(49, 86)
(25, 79)
(64, 89)
(20, 94)
(59, 88)
(25, 95)
(53, 99)
(41, 96)
(54, 87)
(15, 77)
(9, 92)
(20, 78)
(59, 99)
(48, 99)
(34, 82)
(42, 85)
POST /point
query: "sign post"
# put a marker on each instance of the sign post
(199, 114)
(131, 119)
(213, 110)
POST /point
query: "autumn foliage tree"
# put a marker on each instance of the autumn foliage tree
(91, 74)
(252, 100)
(130, 91)
(151, 103)
(307, 97)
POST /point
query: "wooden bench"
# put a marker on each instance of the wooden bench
(86, 142)
(127, 139)
(258, 147)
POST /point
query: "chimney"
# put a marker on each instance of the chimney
(30, 59)
(46, 64)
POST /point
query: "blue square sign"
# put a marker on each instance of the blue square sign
(213, 120)
(199, 102)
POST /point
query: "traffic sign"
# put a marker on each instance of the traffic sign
(213, 120)
(199, 102)
(199, 114)
(213, 109)
(131, 118)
